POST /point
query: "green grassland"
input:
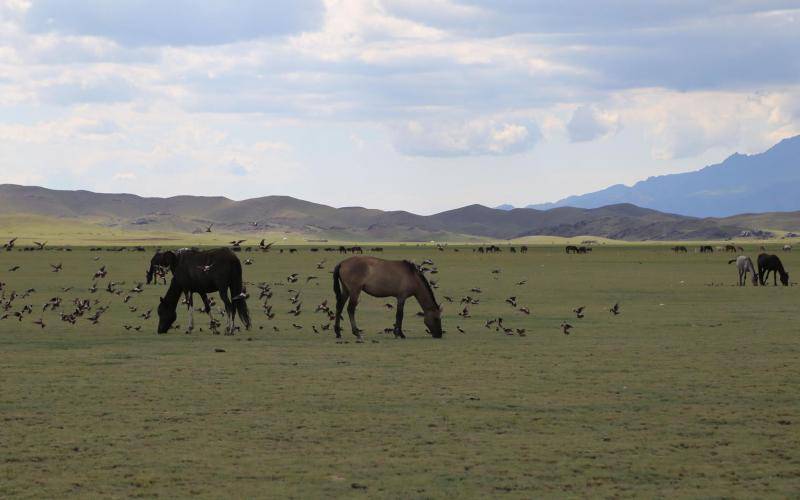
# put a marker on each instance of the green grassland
(692, 391)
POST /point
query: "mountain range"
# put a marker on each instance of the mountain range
(192, 214)
(764, 182)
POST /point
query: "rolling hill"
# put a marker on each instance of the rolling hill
(283, 214)
(765, 182)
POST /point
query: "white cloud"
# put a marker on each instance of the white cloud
(589, 123)
(479, 137)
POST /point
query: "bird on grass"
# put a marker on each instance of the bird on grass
(461, 330)
(524, 310)
(101, 273)
(13, 269)
(39, 322)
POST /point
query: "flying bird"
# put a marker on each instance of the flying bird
(579, 311)
(615, 309)
(565, 328)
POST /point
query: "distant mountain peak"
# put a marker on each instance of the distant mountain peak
(757, 183)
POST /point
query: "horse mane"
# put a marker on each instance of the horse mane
(415, 269)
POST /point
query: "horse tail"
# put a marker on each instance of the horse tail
(239, 301)
(337, 287)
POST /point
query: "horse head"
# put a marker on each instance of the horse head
(166, 316)
(785, 278)
(433, 320)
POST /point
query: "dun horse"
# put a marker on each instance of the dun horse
(745, 265)
(205, 271)
(384, 278)
(771, 264)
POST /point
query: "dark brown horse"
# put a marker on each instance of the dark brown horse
(169, 260)
(206, 271)
(771, 264)
(384, 278)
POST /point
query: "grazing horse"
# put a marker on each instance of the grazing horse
(706, 249)
(771, 263)
(679, 248)
(745, 265)
(730, 248)
(571, 249)
(384, 278)
(205, 271)
(168, 260)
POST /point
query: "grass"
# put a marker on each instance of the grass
(691, 391)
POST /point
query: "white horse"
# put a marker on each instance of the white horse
(787, 248)
(745, 265)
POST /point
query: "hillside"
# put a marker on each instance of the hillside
(765, 182)
(303, 219)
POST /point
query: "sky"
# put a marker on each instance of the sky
(392, 104)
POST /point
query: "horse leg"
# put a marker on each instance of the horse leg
(190, 307)
(351, 312)
(398, 321)
(341, 300)
(206, 303)
(229, 311)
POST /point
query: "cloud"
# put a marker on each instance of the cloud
(478, 137)
(589, 123)
(237, 169)
(174, 22)
(104, 90)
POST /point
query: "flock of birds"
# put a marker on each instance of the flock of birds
(91, 308)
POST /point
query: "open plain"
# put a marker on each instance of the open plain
(692, 390)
